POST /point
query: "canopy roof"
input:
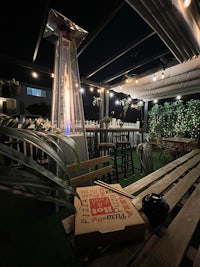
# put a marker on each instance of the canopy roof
(128, 38)
(181, 79)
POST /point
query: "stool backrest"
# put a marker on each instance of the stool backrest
(144, 152)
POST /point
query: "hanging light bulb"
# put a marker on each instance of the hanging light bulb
(154, 78)
(187, 3)
(91, 89)
(82, 90)
(34, 74)
(163, 75)
(111, 94)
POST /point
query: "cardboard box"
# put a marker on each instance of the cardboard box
(104, 217)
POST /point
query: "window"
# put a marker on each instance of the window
(36, 92)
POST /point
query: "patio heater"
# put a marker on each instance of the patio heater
(67, 106)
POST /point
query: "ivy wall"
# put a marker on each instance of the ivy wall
(175, 119)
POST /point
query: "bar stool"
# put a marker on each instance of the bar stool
(91, 146)
(124, 157)
(105, 148)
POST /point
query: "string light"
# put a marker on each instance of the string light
(34, 74)
(82, 90)
(111, 94)
(187, 3)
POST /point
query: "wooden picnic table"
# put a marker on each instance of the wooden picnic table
(177, 239)
(178, 142)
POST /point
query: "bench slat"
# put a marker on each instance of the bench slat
(161, 185)
(147, 180)
(177, 192)
(88, 163)
(91, 175)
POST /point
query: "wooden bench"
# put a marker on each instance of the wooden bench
(178, 182)
(89, 170)
(176, 241)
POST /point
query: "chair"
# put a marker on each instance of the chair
(144, 152)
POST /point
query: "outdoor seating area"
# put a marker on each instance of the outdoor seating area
(100, 134)
(173, 178)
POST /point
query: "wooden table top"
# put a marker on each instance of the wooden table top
(179, 139)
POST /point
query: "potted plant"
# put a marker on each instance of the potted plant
(15, 87)
(96, 101)
(121, 124)
(34, 179)
(105, 121)
(10, 86)
(5, 88)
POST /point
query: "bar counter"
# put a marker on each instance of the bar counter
(98, 135)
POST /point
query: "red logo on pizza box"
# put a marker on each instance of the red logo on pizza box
(101, 206)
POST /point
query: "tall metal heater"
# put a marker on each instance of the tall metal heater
(67, 106)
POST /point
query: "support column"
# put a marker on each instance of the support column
(145, 116)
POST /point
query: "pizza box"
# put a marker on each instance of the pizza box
(104, 217)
